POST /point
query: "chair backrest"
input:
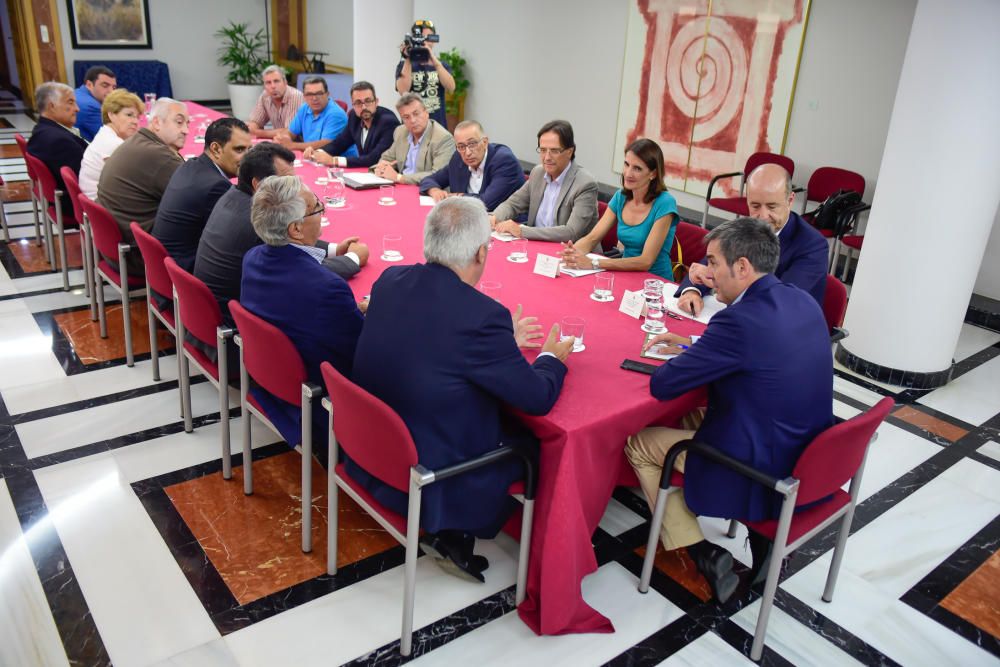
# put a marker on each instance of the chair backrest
(758, 159)
(342, 104)
(834, 456)
(153, 254)
(22, 143)
(43, 177)
(610, 239)
(269, 356)
(199, 311)
(103, 227)
(691, 239)
(73, 192)
(369, 431)
(834, 302)
(825, 181)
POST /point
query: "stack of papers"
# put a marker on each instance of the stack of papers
(711, 307)
(654, 352)
(576, 273)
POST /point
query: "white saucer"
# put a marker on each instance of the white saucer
(514, 260)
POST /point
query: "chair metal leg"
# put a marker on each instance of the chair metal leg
(778, 552)
(63, 255)
(154, 348)
(3, 222)
(307, 450)
(333, 498)
(88, 267)
(838, 554)
(222, 344)
(126, 305)
(183, 376)
(47, 230)
(102, 314)
(524, 551)
(654, 535)
(847, 265)
(410, 568)
(34, 211)
(245, 428)
(733, 525)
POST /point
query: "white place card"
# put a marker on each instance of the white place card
(427, 201)
(547, 265)
(632, 303)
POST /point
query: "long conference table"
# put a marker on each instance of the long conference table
(583, 437)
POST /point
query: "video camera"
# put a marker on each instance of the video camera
(413, 43)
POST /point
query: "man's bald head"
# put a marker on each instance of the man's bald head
(769, 194)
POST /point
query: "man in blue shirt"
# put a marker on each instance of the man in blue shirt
(317, 122)
(97, 83)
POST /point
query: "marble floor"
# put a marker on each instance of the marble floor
(121, 544)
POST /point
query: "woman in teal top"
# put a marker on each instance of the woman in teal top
(645, 213)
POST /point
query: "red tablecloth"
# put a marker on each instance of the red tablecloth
(583, 437)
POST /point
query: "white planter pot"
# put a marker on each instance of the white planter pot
(243, 98)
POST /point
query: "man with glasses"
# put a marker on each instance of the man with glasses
(369, 132)
(317, 121)
(489, 172)
(277, 105)
(560, 198)
(419, 147)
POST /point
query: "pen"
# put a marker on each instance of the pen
(692, 310)
(683, 347)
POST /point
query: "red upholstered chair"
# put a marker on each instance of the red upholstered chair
(689, 244)
(196, 312)
(342, 104)
(610, 240)
(834, 307)
(847, 239)
(107, 240)
(52, 215)
(834, 457)
(375, 438)
(22, 144)
(73, 192)
(158, 281)
(269, 358)
(738, 205)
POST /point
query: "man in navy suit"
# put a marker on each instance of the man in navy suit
(52, 141)
(369, 131)
(489, 172)
(446, 358)
(766, 360)
(804, 251)
(285, 283)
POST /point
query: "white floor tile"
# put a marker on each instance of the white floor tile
(212, 654)
(709, 649)
(25, 352)
(990, 449)
(28, 634)
(792, 640)
(893, 454)
(973, 339)
(973, 397)
(857, 392)
(611, 590)
(617, 519)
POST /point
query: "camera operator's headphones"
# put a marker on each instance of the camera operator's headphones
(420, 24)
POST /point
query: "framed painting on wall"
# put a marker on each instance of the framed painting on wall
(711, 81)
(109, 24)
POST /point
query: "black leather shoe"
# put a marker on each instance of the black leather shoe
(716, 565)
(454, 558)
(760, 551)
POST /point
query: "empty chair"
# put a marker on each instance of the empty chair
(834, 457)
(196, 312)
(51, 214)
(107, 242)
(834, 308)
(22, 144)
(375, 437)
(738, 205)
(610, 240)
(269, 358)
(158, 284)
(847, 240)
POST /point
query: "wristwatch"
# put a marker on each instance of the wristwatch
(595, 262)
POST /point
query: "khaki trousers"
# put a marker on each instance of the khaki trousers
(646, 452)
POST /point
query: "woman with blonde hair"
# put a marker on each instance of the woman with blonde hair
(120, 113)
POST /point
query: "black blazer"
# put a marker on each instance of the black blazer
(379, 138)
(57, 147)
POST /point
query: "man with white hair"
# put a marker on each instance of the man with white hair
(460, 364)
(277, 105)
(53, 141)
(285, 283)
(136, 175)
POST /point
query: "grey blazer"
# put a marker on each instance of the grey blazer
(435, 151)
(576, 208)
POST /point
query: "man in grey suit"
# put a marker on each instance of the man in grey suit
(420, 146)
(560, 198)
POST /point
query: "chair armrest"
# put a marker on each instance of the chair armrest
(713, 454)
(225, 332)
(311, 391)
(494, 456)
(849, 219)
(711, 183)
(839, 334)
(124, 248)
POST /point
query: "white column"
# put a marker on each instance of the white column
(937, 194)
(378, 31)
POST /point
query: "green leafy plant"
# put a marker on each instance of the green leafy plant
(241, 52)
(454, 60)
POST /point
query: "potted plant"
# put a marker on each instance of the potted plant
(240, 51)
(454, 102)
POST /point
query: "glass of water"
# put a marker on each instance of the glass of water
(392, 248)
(572, 327)
(518, 251)
(150, 99)
(652, 289)
(654, 317)
(604, 287)
(491, 288)
(386, 195)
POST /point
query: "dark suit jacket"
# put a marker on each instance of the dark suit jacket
(502, 176)
(379, 138)
(767, 363)
(802, 262)
(313, 307)
(448, 381)
(228, 236)
(57, 147)
(187, 202)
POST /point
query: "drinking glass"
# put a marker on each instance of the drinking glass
(391, 248)
(386, 195)
(652, 289)
(335, 187)
(518, 251)
(604, 286)
(150, 99)
(573, 327)
(491, 288)
(654, 317)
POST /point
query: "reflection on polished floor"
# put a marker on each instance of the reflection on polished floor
(121, 543)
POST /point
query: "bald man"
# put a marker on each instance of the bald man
(803, 249)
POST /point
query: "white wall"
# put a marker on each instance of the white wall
(850, 68)
(329, 28)
(182, 33)
(988, 281)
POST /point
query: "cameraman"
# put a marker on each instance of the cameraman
(430, 79)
